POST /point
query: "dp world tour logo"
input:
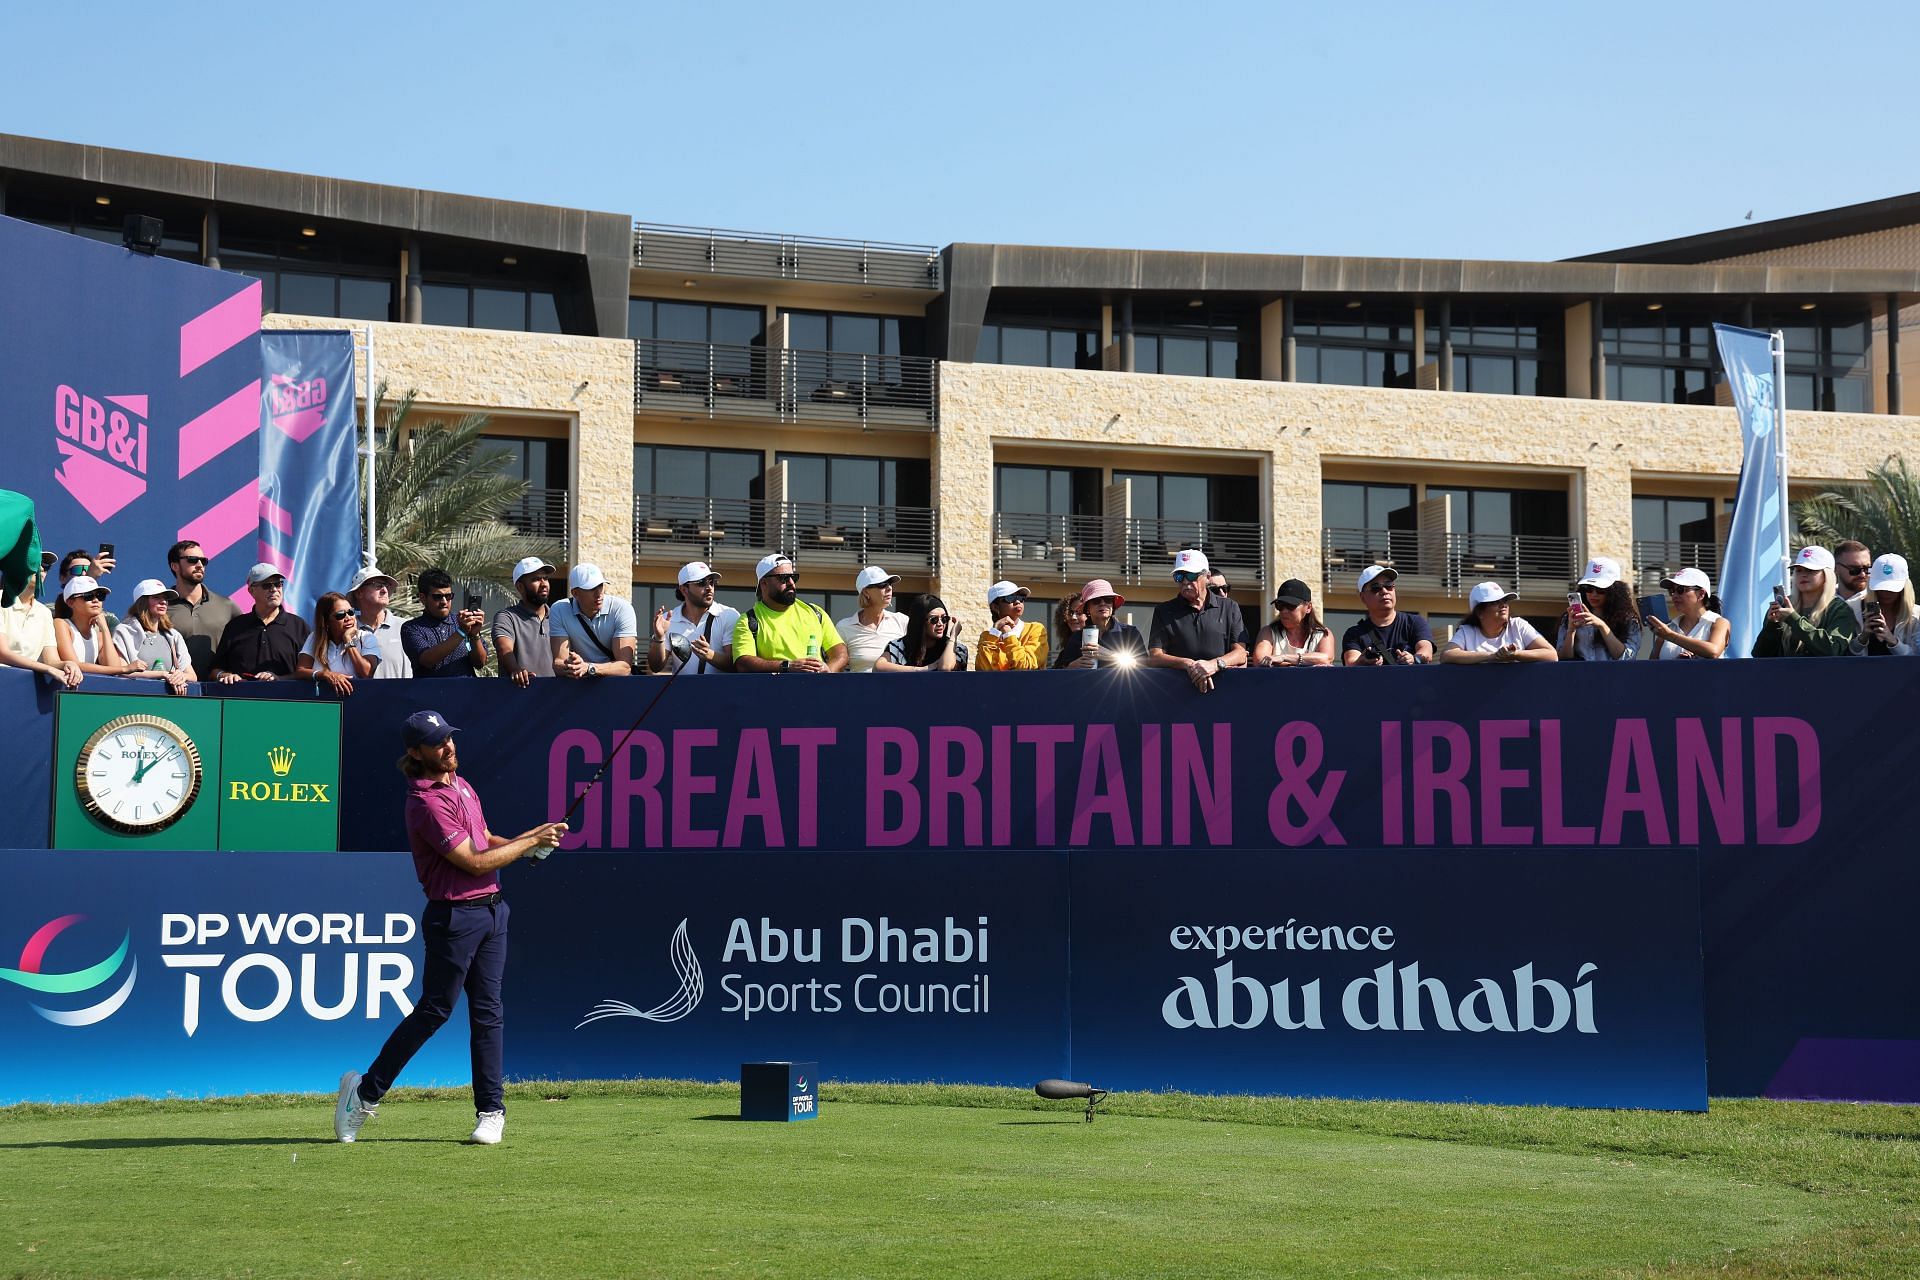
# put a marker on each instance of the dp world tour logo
(30, 975)
(693, 985)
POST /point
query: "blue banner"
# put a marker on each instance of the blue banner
(309, 485)
(1757, 551)
(194, 974)
(130, 394)
(1453, 975)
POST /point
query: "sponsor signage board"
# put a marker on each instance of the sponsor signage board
(280, 775)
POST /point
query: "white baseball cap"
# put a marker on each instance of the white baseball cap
(1001, 590)
(873, 576)
(1889, 573)
(1601, 572)
(1192, 560)
(1689, 577)
(531, 564)
(80, 585)
(263, 572)
(1816, 558)
(585, 577)
(1373, 571)
(1489, 593)
(769, 563)
(371, 573)
(696, 571)
(155, 587)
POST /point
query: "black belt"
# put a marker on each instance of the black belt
(486, 901)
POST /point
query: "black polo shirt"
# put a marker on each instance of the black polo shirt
(249, 646)
(1201, 634)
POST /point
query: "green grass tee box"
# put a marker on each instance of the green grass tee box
(78, 715)
(279, 784)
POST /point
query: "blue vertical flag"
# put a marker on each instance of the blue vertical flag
(1756, 554)
(309, 487)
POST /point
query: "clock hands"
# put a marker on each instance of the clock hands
(147, 766)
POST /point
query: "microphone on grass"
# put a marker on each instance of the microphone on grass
(682, 648)
(1069, 1089)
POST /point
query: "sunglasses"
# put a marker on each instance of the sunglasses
(1854, 569)
(192, 560)
(936, 617)
(784, 577)
(1378, 587)
(1182, 577)
(438, 595)
(98, 597)
(79, 568)
(1221, 591)
(709, 583)
(341, 614)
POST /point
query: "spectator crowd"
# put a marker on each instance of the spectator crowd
(1839, 602)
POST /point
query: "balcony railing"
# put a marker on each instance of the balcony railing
(1448, 564)
(1654, 559)
(540, 513)
(719, 380)
(661, 246)
(741, 530)
(1077, 548)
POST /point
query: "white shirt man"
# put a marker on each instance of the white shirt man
(706, 623)
(369, 593)
(869, 632)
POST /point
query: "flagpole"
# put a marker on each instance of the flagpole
(1777, 348)
(367, 554)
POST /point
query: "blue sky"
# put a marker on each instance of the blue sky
(1525, 131)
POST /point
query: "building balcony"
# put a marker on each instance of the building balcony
(1073, 549)
(738, 531)
(785, 385)
(1448, 564)
(659, 246)
(540, 513)
(1654, 559)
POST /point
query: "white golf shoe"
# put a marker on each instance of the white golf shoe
(350, 1111)
(488, 1127)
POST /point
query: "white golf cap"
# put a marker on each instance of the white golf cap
(155, 587)
(1192, 560)
(81, 585)
(531, 564)
(1373, 571)
(873, 576)
(769, 563)
(263, 572)
(1816, 558)
(1600, 572)
(585, 577)
(1889, 573)
(696, 571)
(371, 573)
(1489, 593)
(1001, 590)
(1689, 577)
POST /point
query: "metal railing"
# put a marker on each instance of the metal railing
(662, 246)
(540, 513)
(1654, 559)
(1450, 563)
(741, 530)
(1076, 548)
(721, 380)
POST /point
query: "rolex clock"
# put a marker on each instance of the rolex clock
(138, 774)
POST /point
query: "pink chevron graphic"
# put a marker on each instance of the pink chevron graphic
(219, 328)
(301, 424)
(227, 521)
(136, 405)
(220, 428)
(276, 515)
(96, 484)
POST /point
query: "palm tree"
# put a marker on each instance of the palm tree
(1884, 513)
(441, 498)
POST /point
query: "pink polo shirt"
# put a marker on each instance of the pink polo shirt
(439, 817)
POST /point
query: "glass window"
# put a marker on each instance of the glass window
(1349, 505)
(366, 299)
(443, 304)
(733, 475)
(806, 478)
(499, 309)
(306, 295)
(545, 309)
(1353, 345)
(1023, 346)
(1186, 356)
(988, 351)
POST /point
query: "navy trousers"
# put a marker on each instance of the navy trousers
(466, 949)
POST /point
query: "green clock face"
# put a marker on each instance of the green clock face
(138, 774)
